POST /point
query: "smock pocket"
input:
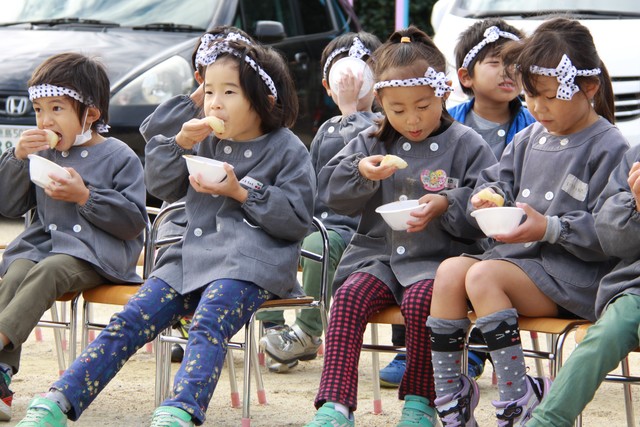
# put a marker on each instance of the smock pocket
(255, 243)
(569, 269)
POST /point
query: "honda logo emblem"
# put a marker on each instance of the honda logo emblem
(17, 105)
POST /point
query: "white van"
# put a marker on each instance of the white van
(614, 25)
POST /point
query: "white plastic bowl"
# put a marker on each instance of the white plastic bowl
(210, 170)
(396, 214)
(40, 168)
(502, 220)
(357, 67)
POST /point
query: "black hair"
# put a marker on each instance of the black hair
(80, 73)
(475, 34)
(282, 112)
(369, 41)
(545, 48)
(413, 58)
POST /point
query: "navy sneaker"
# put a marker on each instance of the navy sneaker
(391, 375)
(476, 365)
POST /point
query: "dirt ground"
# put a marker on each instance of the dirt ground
(128, 400)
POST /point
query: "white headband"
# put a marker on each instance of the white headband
(47, 90)
(207, 39)
(566, 74)
(356, 50)
(491, 35)
(438, 81)
(214, 50)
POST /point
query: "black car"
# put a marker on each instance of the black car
(147, 45)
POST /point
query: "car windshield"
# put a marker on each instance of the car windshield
(126, 13)
(514, 7)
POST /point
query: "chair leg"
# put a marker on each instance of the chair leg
(246, 385)
(535, 342)
(233, 384)
(57, 337)
(262, 396)
(375, 374)
(628, 400)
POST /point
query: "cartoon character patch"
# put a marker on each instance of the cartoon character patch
(433, 180)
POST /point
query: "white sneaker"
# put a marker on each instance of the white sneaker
(290, 345)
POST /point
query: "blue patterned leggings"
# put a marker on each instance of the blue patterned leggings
(219, 312)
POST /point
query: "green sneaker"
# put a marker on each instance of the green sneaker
(43, 412)
(170, 416)
(417, 412)
(327, 416)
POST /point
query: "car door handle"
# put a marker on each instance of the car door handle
(302, 59)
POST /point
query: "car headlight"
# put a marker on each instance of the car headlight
(165, 80)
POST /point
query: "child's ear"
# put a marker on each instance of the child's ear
(325, 85)
(93, 114)
(198, 77)
(272, 100)
(464, 78)
(590, 87)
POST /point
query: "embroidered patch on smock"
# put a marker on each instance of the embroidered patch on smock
(575, 188)
(247, 181)
(433, 180)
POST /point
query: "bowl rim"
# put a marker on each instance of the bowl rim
(408, 208)
(367, 74)
(48, 162)
(205, 160)
(476, 212)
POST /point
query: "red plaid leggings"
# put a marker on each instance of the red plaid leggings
(355, 301)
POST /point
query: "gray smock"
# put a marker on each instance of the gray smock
(107, 232)
(332, 137)
(257, 241)
(559, 176)
(618, 228)
(448, 163)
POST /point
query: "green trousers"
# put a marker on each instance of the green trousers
(28, 289)
(309, 320)
(609, 341)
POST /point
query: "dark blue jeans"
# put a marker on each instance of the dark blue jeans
(220, 310)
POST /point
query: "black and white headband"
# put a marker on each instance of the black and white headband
(491, 35)
(356, 50)
(215, 49)
(566, 73)
(437, 80)
(47, 90)
(207, 39)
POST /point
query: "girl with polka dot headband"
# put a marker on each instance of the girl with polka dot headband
(384, 266)
(551, 264)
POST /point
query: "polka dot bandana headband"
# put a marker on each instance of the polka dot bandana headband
(438, 81)
(357, 50)
(218, 48)
(47, 90)
(566, 74)
(491, 35)
(207, 39)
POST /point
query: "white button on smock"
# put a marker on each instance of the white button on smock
(65, 154)
(434, 146)
(526, 192)
(248, 153)
(53, 227)
(542, 140)
(324, 215)
(84, 153)
(331, 129)
(227, 149)
(564, 141)
(548, 195)
(400, 250)
(501, 133)
(197, 232)
(406, 146)
(403, 198)
(77, 228)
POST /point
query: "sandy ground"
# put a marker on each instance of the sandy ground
(128, 399)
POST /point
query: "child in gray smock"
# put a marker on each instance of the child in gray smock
(382, 267)
(86, 228)
(551, 264)
(286, 345)
(615, 334)
(240, 247)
